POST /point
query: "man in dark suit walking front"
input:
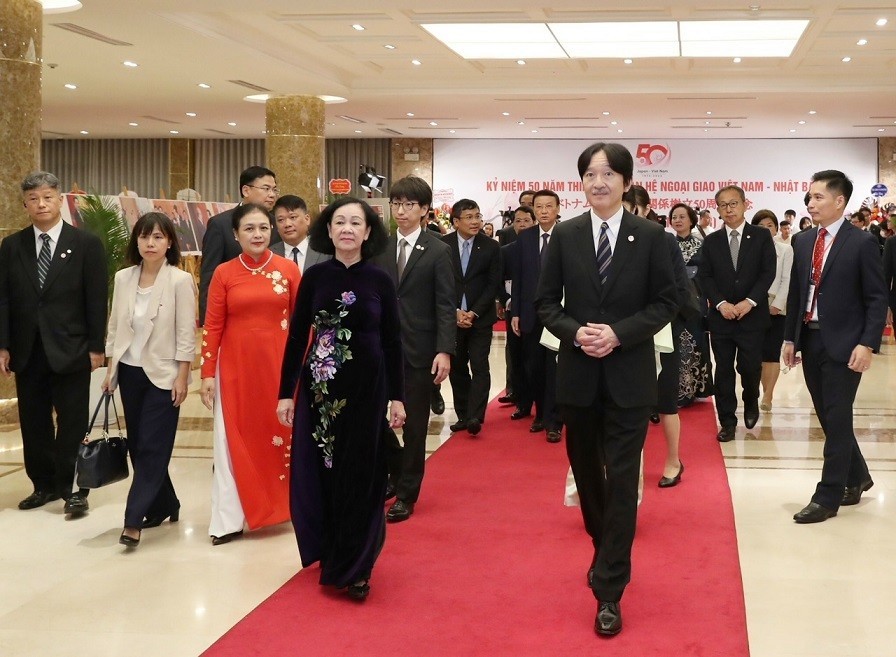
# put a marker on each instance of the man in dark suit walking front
(476, 260)
(53, 296)
(606, 288)
(737, 268)
(257, 185)
(836, 311)
(420, 264)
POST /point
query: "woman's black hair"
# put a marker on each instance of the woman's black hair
(319, 238)
(692, 214)
(247, 208)
(144, 226)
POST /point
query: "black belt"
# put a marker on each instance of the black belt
(812, 325)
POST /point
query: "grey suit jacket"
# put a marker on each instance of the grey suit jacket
(311, 258)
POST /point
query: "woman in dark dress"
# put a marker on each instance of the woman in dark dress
(343, 355)
(695, 379)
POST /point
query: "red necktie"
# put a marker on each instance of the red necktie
(817, 262)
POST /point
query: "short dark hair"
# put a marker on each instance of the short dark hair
(39, 179)
(858, 215)
(291, 202)
(835, 182)
(783, 223)
(636, 195)
(144, 226)
(546, 192)
(528, 210)
(247, 208)
(790, 213)
(319, 239)
(618, 157)
(461, 205)
(528, 192)
(764, 214)
(253, 173)
(411, 188)
(692, 213)
(731, 188)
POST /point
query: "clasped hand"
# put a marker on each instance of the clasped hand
(597, 340)
(735, 311)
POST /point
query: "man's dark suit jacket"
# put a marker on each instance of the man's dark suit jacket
(755, 273)
(69, 312)
(889, 263)
(524, 277)
(506, 235)
(638, 299)
(219, 245)
(852, 297)
(426, 298)
(311, 258)
(482, 282)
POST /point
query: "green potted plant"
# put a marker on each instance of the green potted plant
(102, 218)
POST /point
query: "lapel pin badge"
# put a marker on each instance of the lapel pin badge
(631, 238)
(418, 247)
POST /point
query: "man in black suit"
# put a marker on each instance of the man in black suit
(606, 288)
(737, 268)
(257, 185)
(836, 311)
(53, 295)
(508, 234)
(476, 260)
(292, 220)
(539, 363)
(889, 263)
(420, 264)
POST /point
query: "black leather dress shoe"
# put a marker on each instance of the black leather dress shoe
(813, 513)
(654, 418)
(390, 491)
(751, 415)
(668, 482)
(37, 499)
(76, 505)
(726, 434)
(609, 619)
(536, 426)
(359, 590)
(507, 399)
(436, 403)
(853, 494)
(400, 511)
(520, 414)
(460, 425)
(474, 427)
(226, 538)
(553, 436)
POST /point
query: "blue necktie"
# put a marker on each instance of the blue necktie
(604, 255)
(43, 259)
(464, 261)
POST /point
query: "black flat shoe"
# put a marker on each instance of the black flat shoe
(129, 541)
(726, 434)
(853, 494)
(37, 499)
(359, 590)
(158, 520)
(520, 414)
(668, 482)
(226, 538)
(813, 513)
(76, 505)
(609, 619)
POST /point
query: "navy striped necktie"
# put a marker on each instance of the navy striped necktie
(43, 260)
(604, 254)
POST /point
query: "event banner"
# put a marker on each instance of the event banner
(774, 173)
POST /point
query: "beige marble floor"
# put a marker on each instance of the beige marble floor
(67, 587)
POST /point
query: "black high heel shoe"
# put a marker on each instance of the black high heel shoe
(359, 590)
(226, 538)
(158, 520)
(668, 482)
(129, 541)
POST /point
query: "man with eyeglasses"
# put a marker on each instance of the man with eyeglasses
(736, 270)
(476, 261)
(257, 185)
(420, 265)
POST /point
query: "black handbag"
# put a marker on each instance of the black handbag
(103, 461)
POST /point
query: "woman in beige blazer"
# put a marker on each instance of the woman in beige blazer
(150, 343)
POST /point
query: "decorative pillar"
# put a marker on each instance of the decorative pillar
(20, 105)
(295, 146)
(180, 166)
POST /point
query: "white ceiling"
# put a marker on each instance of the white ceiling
(309, 47)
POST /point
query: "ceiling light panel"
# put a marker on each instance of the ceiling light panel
(637, 39)
(498, 40)
(775, 38)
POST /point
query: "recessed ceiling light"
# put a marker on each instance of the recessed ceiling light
(706, 123)
(232, 124)
(737, 60)
(59, 6)
(505, 113)
(264, 132)
(174, 132)
(257, 98)
(84, 132)
(614, 122)
(133, 125)
(705, 130)
(801, 122)
(130, 64)
(521, 123)
(191, 114)
(410, 114)
(793, 130)
(755, 7)
(534, 131)
(433, 123)
(846, 60)
(862, 42)
(203, 85)
(389, 46)
(605, 113)
(358, 26)
(708, 113)
(881, 129)
(812, 112)
(619, 130)
(521, 62)
(415, 62)
(627, 61)
(880, 22)
(452, 131)
(71, 86)
(358, 132)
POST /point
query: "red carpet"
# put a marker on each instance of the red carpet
(492, 564)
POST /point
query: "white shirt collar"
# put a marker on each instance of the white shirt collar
(739, 229)
(613, 223)
(411, 239)
(54, 232)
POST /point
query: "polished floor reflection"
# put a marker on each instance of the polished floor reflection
(823, 590)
